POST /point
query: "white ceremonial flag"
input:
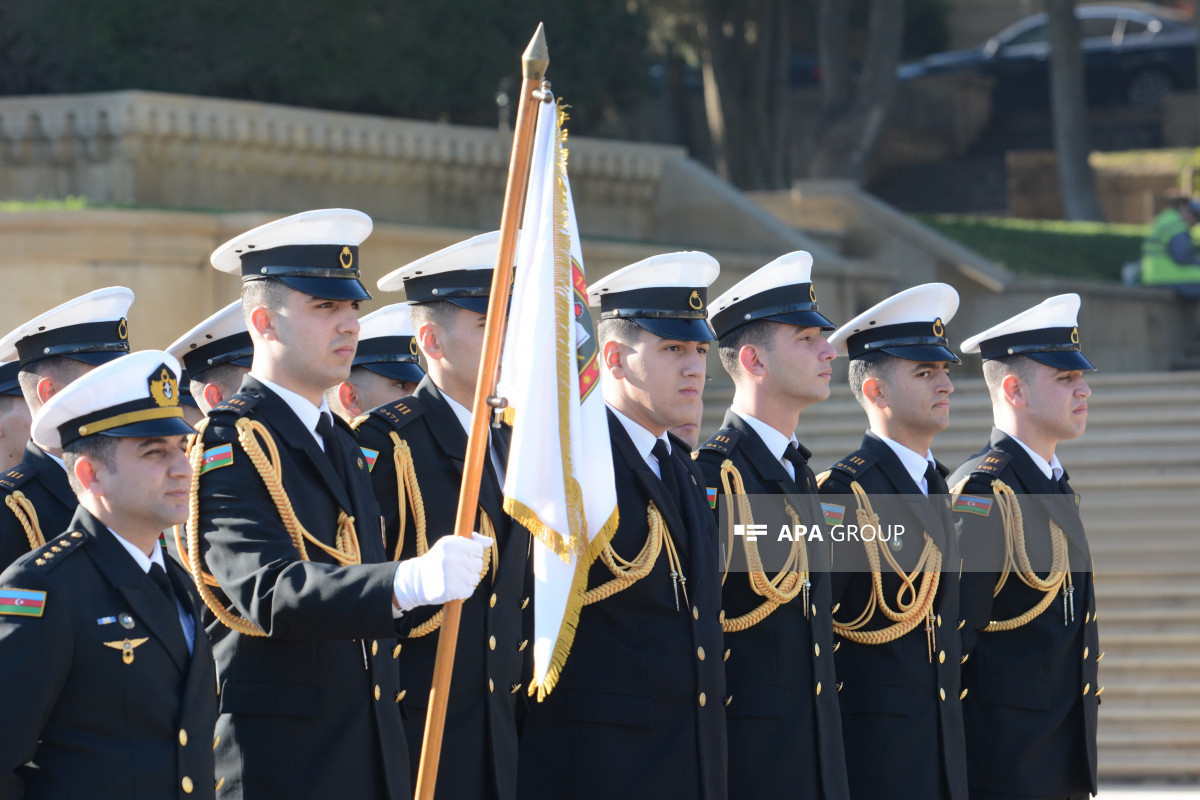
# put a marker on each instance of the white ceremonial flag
(559, 481)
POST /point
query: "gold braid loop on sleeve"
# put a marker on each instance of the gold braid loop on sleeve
(26, 514)
(626, 573)
(1016, 558)
(787, 584)
(490, 556)
(913, 604)
(345, 552)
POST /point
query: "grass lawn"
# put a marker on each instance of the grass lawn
(1045, 247)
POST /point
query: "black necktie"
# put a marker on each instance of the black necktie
(666, 468)
(159, 576)
(332, 451)
(937, 484)
(799, 465)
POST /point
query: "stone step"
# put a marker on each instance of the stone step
(1121, 763)
(1149, 667)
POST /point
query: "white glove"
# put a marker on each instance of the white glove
(449, 571)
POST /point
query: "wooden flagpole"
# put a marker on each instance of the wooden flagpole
(533, 63)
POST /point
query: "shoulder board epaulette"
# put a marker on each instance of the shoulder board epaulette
(856, 463)
(399, 413)
(723, 441)
(239, 405)
(13, 479)
(56, 551)
(989, 464)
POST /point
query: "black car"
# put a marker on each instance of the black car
(1133, 56)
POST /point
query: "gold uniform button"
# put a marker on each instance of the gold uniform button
(216, 741)
(525, 602)
(939, 620)
(492, 643)
(703, 699)
(834, 610)
(942, 692)
(1087, 687)
(491, 685)
(1100, 691)
(836, 645)
(727, 652)
(1087, 617)
(818, 687)
(695, 612)
(700, 653)
(396, 651)
(961, 622)
(515, 688)
(814, 609)
(963, 694)
(840, 685)
(1085, 654)
(182, 737)
(220, 783)
(1099, 657)
(942, 657)
(186, 785)
(377, 691)
(817, 650)
(963, 660)
(728, 700)
(374, 647)
(492, 601)
(400, 695)
(521, 647)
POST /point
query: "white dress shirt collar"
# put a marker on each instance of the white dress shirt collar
(775, 441)
(143, 561)
(301, 406)
(914, 463)
(1052, 469)
(643, 440)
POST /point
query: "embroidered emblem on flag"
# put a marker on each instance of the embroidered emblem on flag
(215, 457)
(973, 505)
(711, 491)
(833, 513)
(370, 455)
(22, 602)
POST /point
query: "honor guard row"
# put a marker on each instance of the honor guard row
(848, 672)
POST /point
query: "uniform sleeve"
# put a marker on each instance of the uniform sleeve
(35, 659)
(846, 558)
(1180, 248)
(249, 551)
(981, 542)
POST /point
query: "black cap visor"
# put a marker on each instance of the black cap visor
(923, 353)
(1063, 359)
(397, 370)
(324, 288)
(677, 329)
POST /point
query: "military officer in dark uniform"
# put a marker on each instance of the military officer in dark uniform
(1031, 635)
(639, 707)
(417, 445)
(216, 355)
(14, 417)
(779, 659)
(288, 527)
(110, 684)
(899, 641)
(54, 349)
(386, 365)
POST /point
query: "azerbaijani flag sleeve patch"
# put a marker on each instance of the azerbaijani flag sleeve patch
(370, 455)
(711, 491)
(216, 457)
(970, 504)
(22, 602)
(834, 514)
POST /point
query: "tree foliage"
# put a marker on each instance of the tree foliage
(443, 60)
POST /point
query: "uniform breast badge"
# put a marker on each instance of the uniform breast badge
(127, 647)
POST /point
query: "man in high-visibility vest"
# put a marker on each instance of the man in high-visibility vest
(1168, 258)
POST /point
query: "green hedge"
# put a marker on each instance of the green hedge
(1045, 247)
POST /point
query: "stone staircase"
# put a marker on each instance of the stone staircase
(1138, 470)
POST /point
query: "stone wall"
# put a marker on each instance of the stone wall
(1033, 189)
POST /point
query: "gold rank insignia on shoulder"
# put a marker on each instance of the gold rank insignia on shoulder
(127, 646)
